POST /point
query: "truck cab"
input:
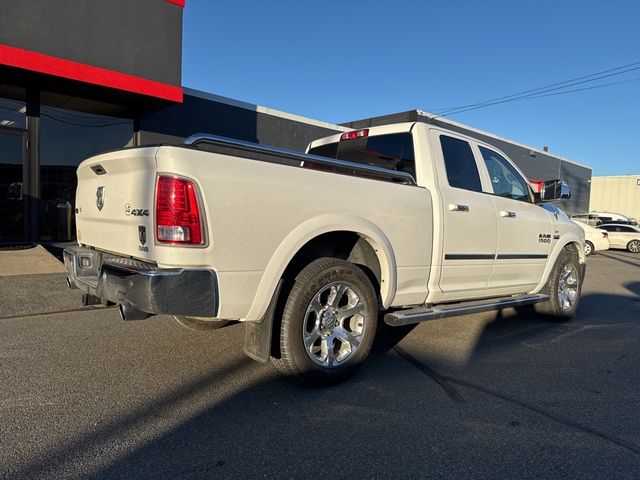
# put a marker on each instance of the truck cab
(491, 235)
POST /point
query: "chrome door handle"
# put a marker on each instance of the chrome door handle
(456, 207)
(504, 213)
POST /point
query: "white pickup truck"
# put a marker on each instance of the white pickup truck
(410, 221)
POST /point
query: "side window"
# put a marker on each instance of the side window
(505, 180)
(462, 171)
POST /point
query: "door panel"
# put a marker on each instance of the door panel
(12, 210)
(524, 243)
(525, 230)
(469, 240)
(469, 221)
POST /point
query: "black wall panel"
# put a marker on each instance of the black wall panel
(137, 37)
(199, 115)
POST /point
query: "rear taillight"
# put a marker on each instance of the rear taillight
(355, 134)
(178, 218)
(605, 235)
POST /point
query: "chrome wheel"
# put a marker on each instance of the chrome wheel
(634, 246)
(568, 286)
(334, 324)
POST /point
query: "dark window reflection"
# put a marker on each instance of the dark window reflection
(12, 123)
(66, 139)
(11, 198)
(12, 113)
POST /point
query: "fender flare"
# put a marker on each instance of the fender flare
(311, 229)
(555, 253)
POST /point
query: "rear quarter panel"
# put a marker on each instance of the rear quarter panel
(260, 213)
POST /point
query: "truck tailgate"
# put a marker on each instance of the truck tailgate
(114, 202)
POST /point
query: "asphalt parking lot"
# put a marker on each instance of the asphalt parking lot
(495, 395)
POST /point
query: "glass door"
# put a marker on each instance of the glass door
(12, 202)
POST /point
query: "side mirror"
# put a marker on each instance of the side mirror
(554, 190)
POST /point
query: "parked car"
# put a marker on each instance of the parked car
(610, 217)
(596, 239)
(587, 218)
(626, 237)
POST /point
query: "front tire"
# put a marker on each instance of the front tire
(634, 246)
(329, 323)
(564, 287)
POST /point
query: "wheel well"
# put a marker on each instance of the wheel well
(348, 246)
(345, 245)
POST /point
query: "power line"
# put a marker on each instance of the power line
(538, 92)
(587, 88)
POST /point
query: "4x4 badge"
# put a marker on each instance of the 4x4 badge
(100, 197)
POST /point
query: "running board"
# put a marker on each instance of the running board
(424, 313)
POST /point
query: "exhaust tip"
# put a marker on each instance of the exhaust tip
(130, 313)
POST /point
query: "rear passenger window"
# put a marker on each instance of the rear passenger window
(462, 171)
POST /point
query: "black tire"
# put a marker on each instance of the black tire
(201, 324)
(328, 324)
(634, 246)
(588, 248)
(564, 287)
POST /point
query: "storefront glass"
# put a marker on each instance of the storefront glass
(12, 123)
(68, 137)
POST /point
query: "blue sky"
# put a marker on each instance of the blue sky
(338, 61)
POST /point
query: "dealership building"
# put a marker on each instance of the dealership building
(79, 78)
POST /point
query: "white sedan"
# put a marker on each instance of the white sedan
(595, 239)
(623, 236)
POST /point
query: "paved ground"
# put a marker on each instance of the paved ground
(28, 260)
(490, 396)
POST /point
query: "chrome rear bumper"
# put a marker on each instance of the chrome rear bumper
(142, 286)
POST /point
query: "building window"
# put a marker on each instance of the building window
(67, 137)
(12, 124)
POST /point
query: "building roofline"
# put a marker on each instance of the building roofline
(629, 175)
(497, 137)
(266, 110)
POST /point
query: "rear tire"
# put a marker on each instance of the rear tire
(329, 323)
(588, 248)
(564, 287)
(634, 246)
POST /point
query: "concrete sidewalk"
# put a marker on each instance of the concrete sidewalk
(33, 281)
(31, 260)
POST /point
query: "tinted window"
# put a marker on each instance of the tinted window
(505, 180)
(462, 171)
(394, 151)
(329, 150)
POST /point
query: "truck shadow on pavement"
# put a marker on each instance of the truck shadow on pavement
(387, 418)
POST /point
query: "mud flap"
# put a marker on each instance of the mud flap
(257, 335)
